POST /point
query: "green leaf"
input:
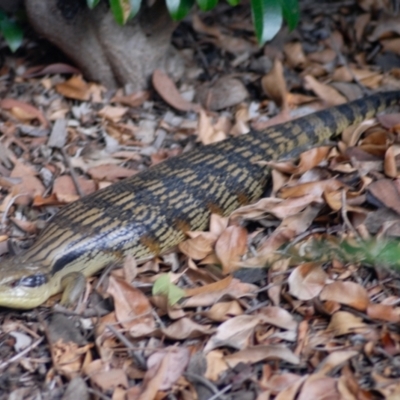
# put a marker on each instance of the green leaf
(206, 5)
(233, 3)
(163, 286)
(92, 3)
(291, 12)
(12, 32)
(178, 9)
(121, 10)
(267, 18)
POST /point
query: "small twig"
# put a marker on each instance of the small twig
(220, 395)
(98, 394)
(346, 218)
(21, 354)
(72, 173)
(141, 362)
(205, 382)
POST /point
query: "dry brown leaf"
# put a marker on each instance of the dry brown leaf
(390, 162)
(24, 111)
(208, 132)
(307, 281)
(212, 287)
(237, 332)
(322, 57)
(343, 322)
(223, 310)
(198, 247)
(166, 88)
(230, 247)
(65, 189)
(235, 289)
(290, 393)
(387, 193)
(216, 364)
(349, 293)
(176, 358)
(113, 113)
(51, 69)
(29, 187)
(108, 380)
(314, 188)
(223, 93)
(132, 307)
(263, 352)
(74, 88)
(277, 207)
(274, 85)
(384, 312)
(279, 382)
(133, 100)
(110, 172)
(316, 387)
(279, 317)
(294, 54)
(334, 360)
(185, 328)
(68, 357)
(325, 92)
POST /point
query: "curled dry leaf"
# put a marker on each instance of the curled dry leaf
(176, 358)
(68, 357)
(113, 113)
(74, 88)
(390, 163)
(319, 387)
(223, 93)
(279, 382)
(264, 352)
(349, 293)
(110, 379)
(325, 92)
(198, 247)
(274, 85)
(110, 172)
(343, 322)
(314, 188)
(295, 55)
(307, 281)
(24, 111)
(209, 132)
(387, 193)
(132, 307)
(216, 364)
(230, 246)
(166, 88)
(235, 289)
(334, 360)
(308, 160)
(223, 310)
(279, 317)
(29, 186)
(185, 328)
(236, 332)
(384, 312)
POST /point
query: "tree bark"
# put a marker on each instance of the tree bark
(106, 52)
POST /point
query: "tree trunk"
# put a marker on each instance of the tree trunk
(106, 52)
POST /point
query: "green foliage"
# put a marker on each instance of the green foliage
(164, 287)
(268, 15)
(11, 31)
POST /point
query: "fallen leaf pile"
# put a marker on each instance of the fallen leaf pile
(294, 297)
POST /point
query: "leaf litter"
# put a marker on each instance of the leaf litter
(293, 297)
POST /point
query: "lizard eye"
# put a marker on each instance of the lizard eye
(31, 281)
